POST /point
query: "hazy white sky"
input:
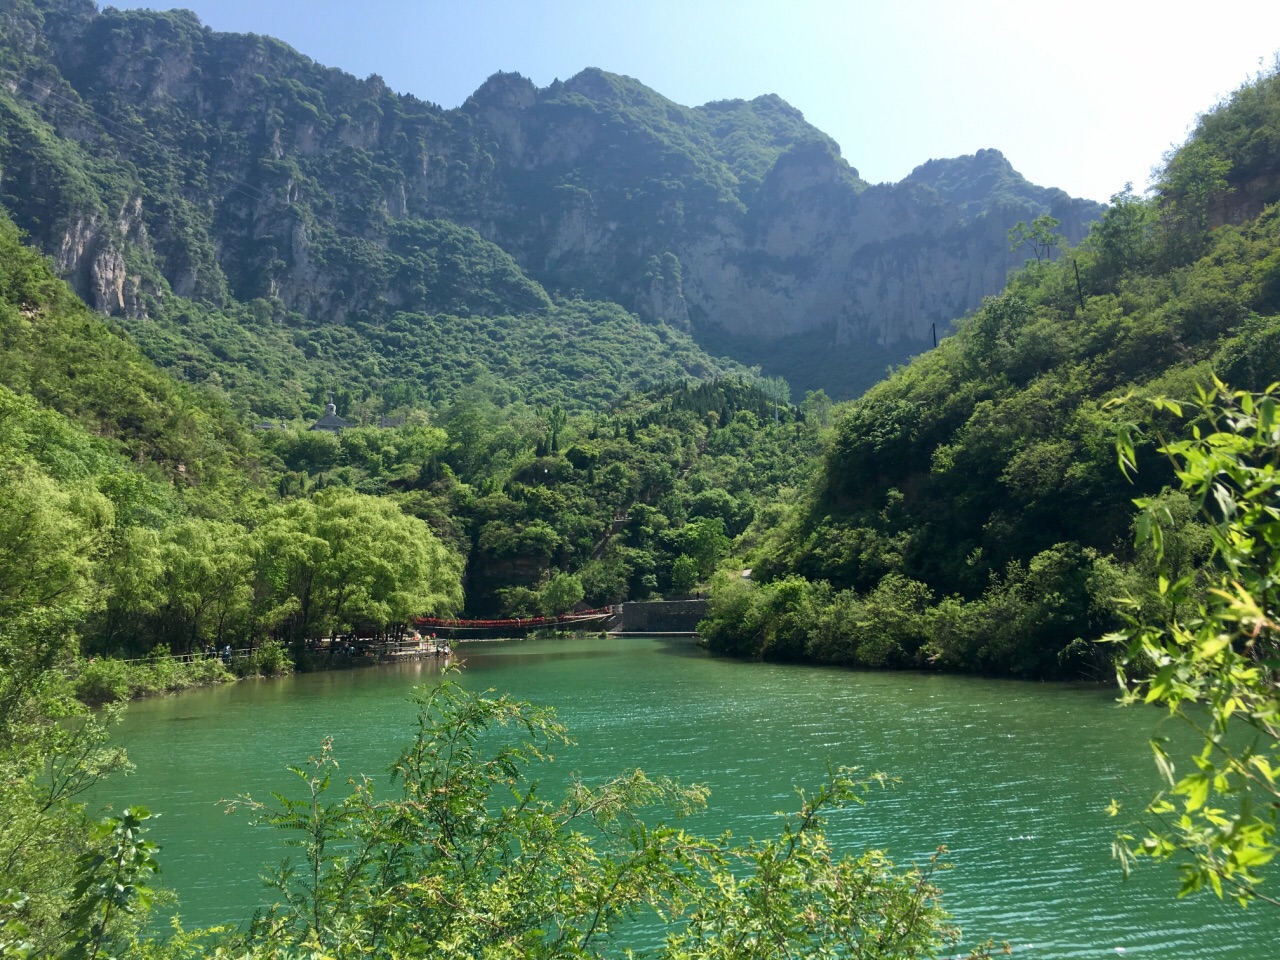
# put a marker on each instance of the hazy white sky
(1083, 95)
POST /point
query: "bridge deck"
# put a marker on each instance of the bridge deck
(524, 623)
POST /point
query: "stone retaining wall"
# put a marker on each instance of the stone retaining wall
(662, 616)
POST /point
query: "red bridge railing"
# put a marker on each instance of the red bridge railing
(518, 623)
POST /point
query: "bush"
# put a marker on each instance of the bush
(560, 595)
(109, 681)
(205, 670)
(271, 659)
(102, 681)
(161, 673)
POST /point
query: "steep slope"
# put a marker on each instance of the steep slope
(222, 166)
(233, 267)
(969, 512)
(62, 356)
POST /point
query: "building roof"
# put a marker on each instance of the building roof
(331, 421)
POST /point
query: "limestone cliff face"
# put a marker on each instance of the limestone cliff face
(90, 252)
(260, 174)
(810, 247)
(1245, 200)
(666, 302)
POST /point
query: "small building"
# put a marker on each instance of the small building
(331, 422)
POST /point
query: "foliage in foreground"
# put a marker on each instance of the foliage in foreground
(1212, 656)
(466, 858)
(52, 749)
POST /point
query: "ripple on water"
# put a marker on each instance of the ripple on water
(1011, 777)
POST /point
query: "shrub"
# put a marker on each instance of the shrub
(102, 681)
(108, 681)
(465, 851)
(271, 659)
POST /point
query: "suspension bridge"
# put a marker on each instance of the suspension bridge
(578, 620)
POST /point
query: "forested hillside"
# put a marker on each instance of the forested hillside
(203, 526)
(65, 358)
(142, 514)
(207, 237)
(249, 213)
(249, 217)
(969, 512)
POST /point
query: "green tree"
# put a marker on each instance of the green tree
(816, 408)
(287, 555)
(111, 883)
(1124, 238)
(50, 533)
(383, 567)
(341, 559)
(202, 592)
(560, 594)
(1039, 234)
(52, 748)
(1193, 178)
(684, 574)
(1213, 658)
(778, 391)
(309, 451)
(705, 541)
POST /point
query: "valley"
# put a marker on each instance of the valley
(286, 354)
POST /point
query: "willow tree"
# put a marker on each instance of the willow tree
(384, 567)
(340, 560)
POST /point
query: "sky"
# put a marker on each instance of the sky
(1085, 95)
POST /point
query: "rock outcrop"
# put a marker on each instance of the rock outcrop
(260, 174)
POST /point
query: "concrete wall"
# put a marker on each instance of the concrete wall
(662, 616)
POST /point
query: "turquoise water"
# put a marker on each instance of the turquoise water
(1012, 777)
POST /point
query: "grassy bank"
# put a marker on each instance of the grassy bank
(105, 680)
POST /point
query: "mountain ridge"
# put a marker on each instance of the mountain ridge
(237, 167)
(968, 512)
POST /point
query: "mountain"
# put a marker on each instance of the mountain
(272, 231)
(152, 156)
(73, 366)
(968, 512)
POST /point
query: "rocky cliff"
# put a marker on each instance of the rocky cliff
(148, 153)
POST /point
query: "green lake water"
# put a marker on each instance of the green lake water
(1012, 777)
